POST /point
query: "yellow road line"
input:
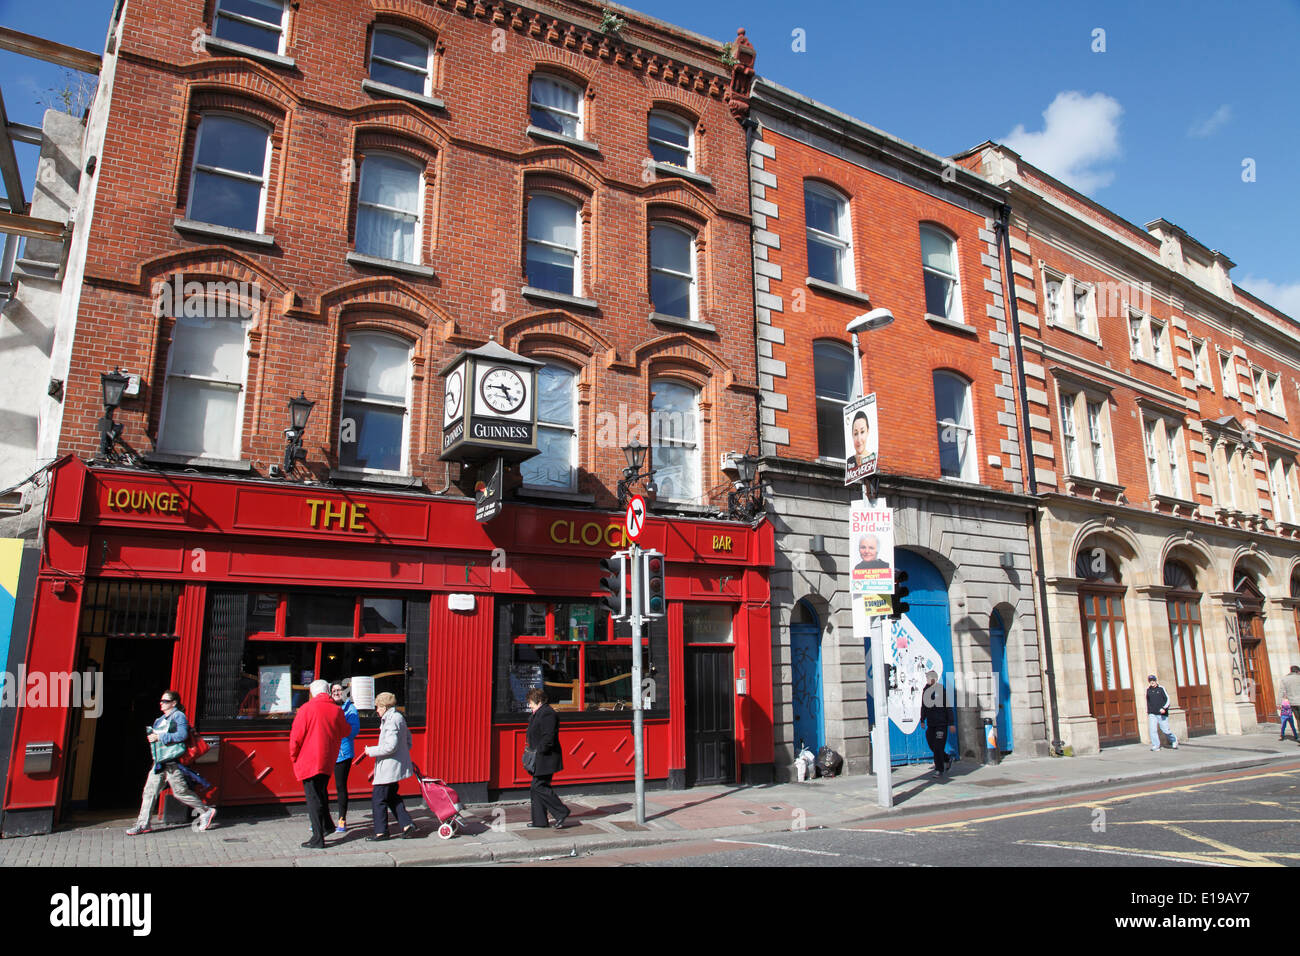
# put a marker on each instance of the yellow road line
(1246, 856)
(1202, 858)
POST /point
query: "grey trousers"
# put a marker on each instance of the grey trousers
(180, 789)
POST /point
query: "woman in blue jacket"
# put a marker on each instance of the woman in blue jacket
(344, 764)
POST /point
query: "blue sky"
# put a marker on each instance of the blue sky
(1158, 124)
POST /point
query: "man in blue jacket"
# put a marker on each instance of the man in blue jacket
(1158, 713)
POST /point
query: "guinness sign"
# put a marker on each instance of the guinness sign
(489, 406)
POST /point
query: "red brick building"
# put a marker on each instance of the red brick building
(336, 200)
(849, 220)
(1161, 399)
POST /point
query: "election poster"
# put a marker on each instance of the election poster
(871, 548)
(860, 439)
(912, 657)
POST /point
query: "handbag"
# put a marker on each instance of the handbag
(195, 747)
(530, 760)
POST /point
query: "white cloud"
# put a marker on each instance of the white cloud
(1079, 133)
(1281, 295)
(1210, 126)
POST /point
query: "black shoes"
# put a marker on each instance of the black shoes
(560, 824)
(376, 837)
(410, 833)
(309, 845)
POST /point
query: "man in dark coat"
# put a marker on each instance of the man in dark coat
(543, 739)
(938, 721)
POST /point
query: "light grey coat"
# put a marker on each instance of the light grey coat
(392, 754)
(1291, 689)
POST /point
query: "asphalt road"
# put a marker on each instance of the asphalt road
(1240, 818)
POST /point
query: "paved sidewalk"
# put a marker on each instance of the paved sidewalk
(498, 832)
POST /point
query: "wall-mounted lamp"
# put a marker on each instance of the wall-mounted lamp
(635, 454)
(1008, 560)
(745, 499)
(299, 411)
(112, 384)
(817, 544)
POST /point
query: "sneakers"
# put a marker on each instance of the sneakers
(1154, 749)
(205, 820)
(137, 830)
(341, 828)
(1174, 745)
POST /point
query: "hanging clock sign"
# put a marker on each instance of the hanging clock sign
(489, 405)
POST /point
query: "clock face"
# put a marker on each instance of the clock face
(503, 390)
(453, 396)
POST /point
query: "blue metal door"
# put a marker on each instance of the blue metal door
(998, 650)
(806, 682)
(929, 614)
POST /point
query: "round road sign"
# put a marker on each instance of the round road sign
(634, 522)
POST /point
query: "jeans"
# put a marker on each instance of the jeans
(384, 797)
(1289, 720)
(180, 790)
(1159, 723)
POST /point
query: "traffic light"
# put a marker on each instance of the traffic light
(901, 590)
(654, 603)
(614, 584)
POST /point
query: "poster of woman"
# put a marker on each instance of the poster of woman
(860, 439)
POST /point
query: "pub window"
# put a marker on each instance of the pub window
(707, 624)
(262, 650)
(569, 649)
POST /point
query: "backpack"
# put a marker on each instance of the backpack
(829, 762)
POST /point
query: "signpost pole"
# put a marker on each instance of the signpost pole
(636, 559)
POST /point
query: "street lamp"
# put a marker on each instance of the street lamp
(745, 499)
(635, 454)
(299, 411)
(112, 384)
(870, 322)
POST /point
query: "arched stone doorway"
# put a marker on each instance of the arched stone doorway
(1254, 652)
(1191, 676)
(1105, 646)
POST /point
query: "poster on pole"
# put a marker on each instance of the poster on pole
(871, 548)
(861, 441)
(911, 656)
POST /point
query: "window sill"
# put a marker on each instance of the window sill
(561, 298)
(384, 90)
(661, 319)
(1174, 502)
(389, 265)
(1208, 388)
(1086, 336)
(939, 322)
(343, 476)
(536, 132)
(682, 507)
(1092, 487)
(668, 169)
(1147, 361)
(223, 232)
(210, 464)
(576, 497)
(834, 288)
(211, 43)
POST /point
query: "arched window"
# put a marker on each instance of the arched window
(952, 405)
(672, 271)
(389, 200)
(553, 248)
(203, 395)
(671, 140)
(373, 429)
(402, 59)
(830, 246)
(939, 264)
(556, 465)
(555, 105)
(833, 380)
(674, 439)
(228, 178)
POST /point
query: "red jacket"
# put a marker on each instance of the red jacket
(318, 729)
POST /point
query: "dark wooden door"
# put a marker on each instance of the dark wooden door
(710, 716)
(1191, 677)
(1257, 669)
(1110, 680)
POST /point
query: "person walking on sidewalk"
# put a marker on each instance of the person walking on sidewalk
(318, 729)
(346, 752)
(167, 739)
(1290, 690)
(1288, 718)
(392, 756)
(1158, 714)
(542, 739)
(938, 721)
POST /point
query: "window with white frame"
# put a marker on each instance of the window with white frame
(671, 140)
(830, 243)
(402, 59)
(1201, 361)
(555, 466)
(1159, 345)
(1162, 440)
(1135, 337)
(389, 200)
(228, 178)
(374, 425)
(1228, 374)
(832, 382)
(555, 105)
(1083, 418)
(939, 265)
(1084, 318)
(674, 439)
(1275, 394)
(1055, 298)
(1149, 447)
(1250, 493)
(203, 398)
(955, 425)
(553, 253)
(255, 23)
(672, 271)
(1281, 477)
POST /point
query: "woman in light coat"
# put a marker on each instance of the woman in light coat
(392, 756)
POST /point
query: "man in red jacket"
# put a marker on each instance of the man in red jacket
(318, 729)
